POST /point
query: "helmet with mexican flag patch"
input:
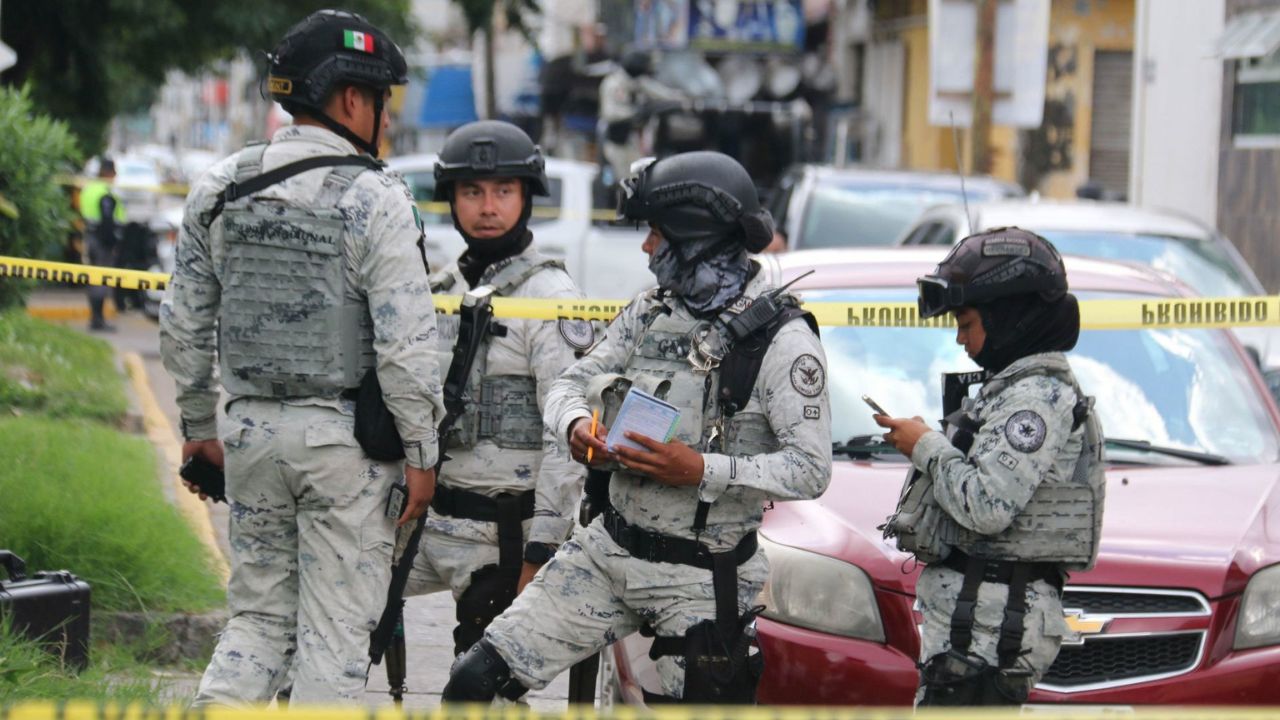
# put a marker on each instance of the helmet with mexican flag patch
(331, 47)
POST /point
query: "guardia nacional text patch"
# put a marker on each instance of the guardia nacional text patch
(807, 376)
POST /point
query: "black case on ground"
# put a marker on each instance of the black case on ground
(49, 606)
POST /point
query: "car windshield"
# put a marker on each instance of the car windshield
(1201, 264)
(864, 214)
(423, 186)
(1173, 388)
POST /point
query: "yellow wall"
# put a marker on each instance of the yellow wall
(1076, 29)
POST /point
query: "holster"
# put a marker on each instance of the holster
(718, 669)
(952, 679)
(375, 426)
(493, 587)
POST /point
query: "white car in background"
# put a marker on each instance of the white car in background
(606, 261)
(1196, 255)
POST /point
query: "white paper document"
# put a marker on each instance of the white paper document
(646, 415)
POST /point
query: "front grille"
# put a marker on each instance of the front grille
(1104, 659)
(1101, 602)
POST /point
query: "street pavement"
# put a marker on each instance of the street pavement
(429, 620)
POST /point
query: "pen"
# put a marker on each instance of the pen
(595, 420)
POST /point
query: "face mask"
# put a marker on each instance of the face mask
(705, 278)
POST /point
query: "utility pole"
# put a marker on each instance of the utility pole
(983, 88)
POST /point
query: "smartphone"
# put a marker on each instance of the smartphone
(875, 406)
(206, 476)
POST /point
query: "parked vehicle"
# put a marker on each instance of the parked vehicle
(1181, 606)
(165, 225)
(819, 206)
(605, 261)
(1184, 248)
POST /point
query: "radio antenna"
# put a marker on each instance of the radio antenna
(964, 195)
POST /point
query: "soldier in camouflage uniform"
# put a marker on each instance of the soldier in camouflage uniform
(1019, 482)
(302, 282)
(506, 497)
(675, 548)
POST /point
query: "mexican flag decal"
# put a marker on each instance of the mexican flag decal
(356, 40)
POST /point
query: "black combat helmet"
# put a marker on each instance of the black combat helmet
(489, 149)
(697, 196)
(637, 62)
(328, 49)
(1000, 263)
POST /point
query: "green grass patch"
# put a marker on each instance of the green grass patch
(81, 496)
(57, 371)
(27, 672)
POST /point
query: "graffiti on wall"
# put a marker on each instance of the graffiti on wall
(1049, 148)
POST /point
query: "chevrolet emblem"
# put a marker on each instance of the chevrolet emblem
(1083, 625)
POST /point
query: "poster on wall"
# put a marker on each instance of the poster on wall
(721, 25)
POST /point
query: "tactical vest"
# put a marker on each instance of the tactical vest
(288, 324)
(500, 408)
(1063, 520)
(677, 359)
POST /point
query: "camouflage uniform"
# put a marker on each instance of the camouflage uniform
(1026, 436)
(453, 548)
(594, 592)
(310, 544)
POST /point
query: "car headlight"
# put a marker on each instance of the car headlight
(1258, 623)
(819, 593)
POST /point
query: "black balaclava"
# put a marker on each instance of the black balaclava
(1025, 325)
(483, 252)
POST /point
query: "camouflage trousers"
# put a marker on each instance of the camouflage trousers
(1043, 628)
(310, 556)
(450, 551)
(592, 593)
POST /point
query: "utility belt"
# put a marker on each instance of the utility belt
(468, 505)
(653, 546)
(1002, 571)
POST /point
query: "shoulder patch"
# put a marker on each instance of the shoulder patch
(578, 333)
(808, 376)
(1025, 431)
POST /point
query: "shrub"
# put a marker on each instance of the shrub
(34, 149)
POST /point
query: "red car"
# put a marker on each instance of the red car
(1184, 603)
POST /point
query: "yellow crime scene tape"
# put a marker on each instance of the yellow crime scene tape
(1135, 314)
(112, 711)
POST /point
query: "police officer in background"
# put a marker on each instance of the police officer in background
(300, 262)
(675, 548)
(506, 498)
(104, 215)
(1020, 482)
(628, 96)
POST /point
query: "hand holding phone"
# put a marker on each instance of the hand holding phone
(206, 476)
(875, 406)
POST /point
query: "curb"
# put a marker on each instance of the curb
(66, 313)
(161, 435)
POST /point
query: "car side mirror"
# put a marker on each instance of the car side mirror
(1272, 376)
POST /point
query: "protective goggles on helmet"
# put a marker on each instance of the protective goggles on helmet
(938, 295)
(482, 157)
(637, 202)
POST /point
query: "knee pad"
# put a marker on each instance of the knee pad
(479, 675)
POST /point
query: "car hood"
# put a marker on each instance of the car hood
(1202, 528)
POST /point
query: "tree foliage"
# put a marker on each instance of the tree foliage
(33, 148)
(88, 60)
(480, 15)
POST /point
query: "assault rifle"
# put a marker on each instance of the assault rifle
(388, 637)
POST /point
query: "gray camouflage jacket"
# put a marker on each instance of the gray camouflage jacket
(1026, 434)
(540, 349)
(797, 407)
(385, 267)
